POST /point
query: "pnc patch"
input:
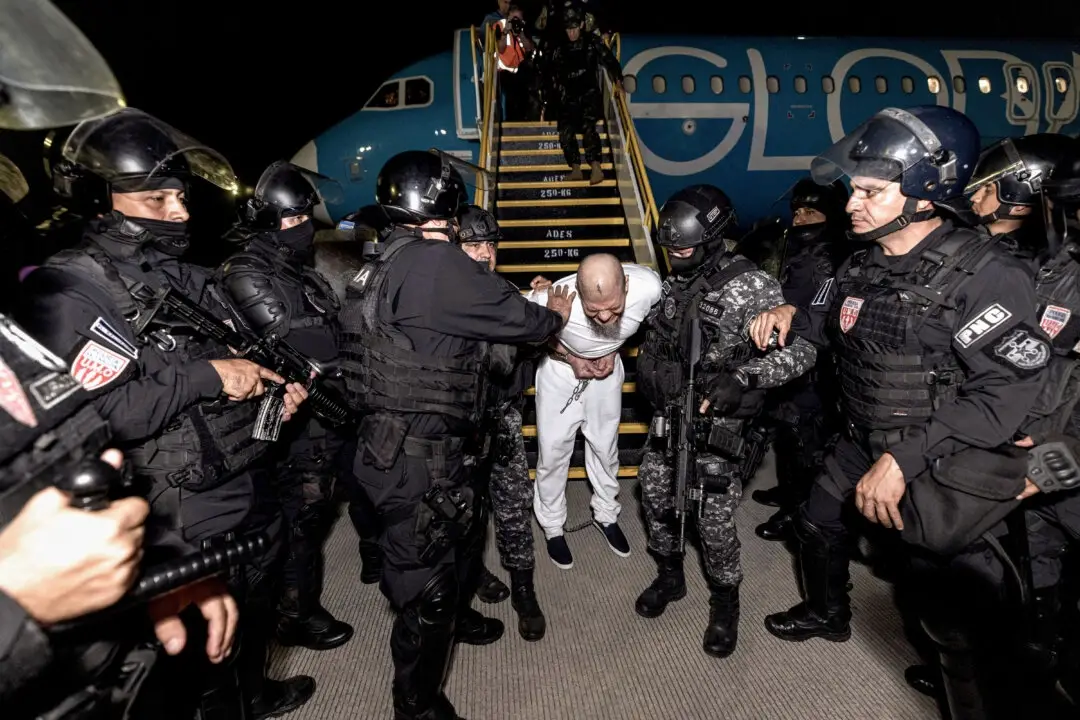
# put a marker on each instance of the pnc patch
(1054, 319)
(96, 366)
(849, 312)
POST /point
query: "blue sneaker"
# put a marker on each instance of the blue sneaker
(615, 538)
(559, 552)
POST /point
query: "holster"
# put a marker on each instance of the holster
(445, 513)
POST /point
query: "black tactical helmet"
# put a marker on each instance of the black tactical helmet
(130, 151)
(1018, 166)
(830, 200)
(478, 225)
(694, 216)
(1062, 189)
(283, 190)
(50, 74)
(572, 15)
(416, 186)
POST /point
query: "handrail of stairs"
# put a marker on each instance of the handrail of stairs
(619, 118)
(485, 196)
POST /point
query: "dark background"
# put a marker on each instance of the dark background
(257, 80)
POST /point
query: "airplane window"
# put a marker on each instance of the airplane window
(854, 84)
(659, 84)
(907, 85)
(881, 84)
(1061, 84)
(828, 85)
(984, 85)
(772, 84)
(933, 84)
(800, 84)
(716, 84)
(958, 84)
(387, 97)
(417, 91)
(630, 83)
(688, 84)
(744, 84)
(1022, 85)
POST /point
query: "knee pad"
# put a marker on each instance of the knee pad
(439, 599)
(809, 533)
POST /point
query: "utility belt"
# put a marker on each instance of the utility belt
(444, 515)
(877, 442)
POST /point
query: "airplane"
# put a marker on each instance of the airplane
(745, 114)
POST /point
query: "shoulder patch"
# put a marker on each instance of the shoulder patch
(709, 308)
(1054, 319)
(822, 293)
(1023, 350)
(13, 399)
(981, 324)
(96, 366)
(849, 312)
(109, 334)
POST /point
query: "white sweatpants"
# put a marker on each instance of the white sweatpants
(597, 412)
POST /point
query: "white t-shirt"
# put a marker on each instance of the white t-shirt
(580, 336)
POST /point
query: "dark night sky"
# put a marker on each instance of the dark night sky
(257, 83)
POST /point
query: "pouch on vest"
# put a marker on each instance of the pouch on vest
(962, 496)
(382, 437)
(443, 518)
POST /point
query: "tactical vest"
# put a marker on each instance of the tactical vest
(888, 378)
(46, 420)
(383, 373)
(207, 443)
(661, 361)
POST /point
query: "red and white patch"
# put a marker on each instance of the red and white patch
(96, 366)
(1054, 319)
(13, 399)
(849, 313)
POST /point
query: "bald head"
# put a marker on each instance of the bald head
(601, 287)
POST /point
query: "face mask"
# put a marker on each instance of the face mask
(802, 235)
(170, 238)
(300, 239)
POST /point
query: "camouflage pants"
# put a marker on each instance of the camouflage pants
(512, 494)
(716, 528)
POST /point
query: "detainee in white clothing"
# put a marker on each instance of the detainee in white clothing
(602, 318)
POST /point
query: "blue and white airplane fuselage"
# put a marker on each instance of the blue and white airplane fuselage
(744, 114)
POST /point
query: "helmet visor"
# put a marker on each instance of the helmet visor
(50, 74)
(990, 172)
(884, 147)
(116, 147)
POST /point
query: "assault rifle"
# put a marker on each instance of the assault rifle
(682, 438)
(271, 352)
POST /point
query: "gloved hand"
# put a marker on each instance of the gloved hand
(723, 394)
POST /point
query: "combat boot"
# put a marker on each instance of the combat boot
(476, 629)
(491, 589)
(669, 586)
(575, 174)
(722, 633)
(597, 175)
(531, 621)
(371, 560)
(826, 612)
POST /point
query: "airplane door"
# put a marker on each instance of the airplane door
(1062, 99)
(466, 86)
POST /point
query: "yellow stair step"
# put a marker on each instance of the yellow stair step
(624, 429)
(552, 222)
(545, 151)
(545, 185)
(570, 202)
(538, 267)
(546, 168)
(523, 124)
(544, 244)
(626, 388)
(578, 473)
(542, 138)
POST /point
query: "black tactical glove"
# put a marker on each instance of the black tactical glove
(724, 394)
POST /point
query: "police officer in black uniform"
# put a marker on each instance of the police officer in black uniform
(1005, 191)
(415, 333)
(803, 412)
(273, 288)
(171, 397)
(934, 333)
